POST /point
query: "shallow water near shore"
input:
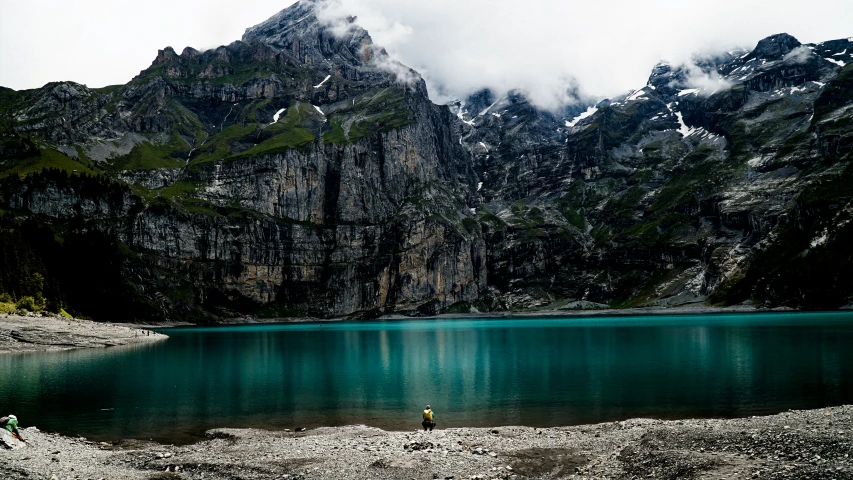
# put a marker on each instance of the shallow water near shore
(474, 372)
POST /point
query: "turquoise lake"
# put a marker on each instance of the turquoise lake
(474, 372)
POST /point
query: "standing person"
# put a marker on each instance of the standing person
(11, 423)
(429, 419)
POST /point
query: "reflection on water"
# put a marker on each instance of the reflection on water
(473, 372)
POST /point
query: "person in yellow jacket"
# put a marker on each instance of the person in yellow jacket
(429, 419)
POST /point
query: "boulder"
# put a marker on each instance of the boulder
(9, 442)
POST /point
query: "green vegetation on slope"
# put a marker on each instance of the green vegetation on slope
(289, 132)
(150, 156)
(374, 112)
(218, 147)
(40, 159)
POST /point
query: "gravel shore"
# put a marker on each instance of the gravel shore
(812, 444)
(37, 333)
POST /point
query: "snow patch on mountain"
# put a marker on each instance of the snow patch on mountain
(589, 112)
(637, 95)
(320, 112)
(489, 107)
(277, 116)
(324, 81)
(684, 129)
(460, 112)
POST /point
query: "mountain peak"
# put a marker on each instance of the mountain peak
(775, 47)
(302, 12)
(298, 31)
(665, 77)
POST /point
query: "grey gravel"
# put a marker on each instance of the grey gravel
(812, 444)
(41, 333)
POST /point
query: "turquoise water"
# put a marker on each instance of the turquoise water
(537, 372)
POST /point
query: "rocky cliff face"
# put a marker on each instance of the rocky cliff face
(300, 171)
(705, 185)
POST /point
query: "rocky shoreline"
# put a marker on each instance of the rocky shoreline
(811, 444)
(42, 333)
(605, 311)
(692, 309)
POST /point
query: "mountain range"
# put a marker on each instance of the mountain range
(301, 171)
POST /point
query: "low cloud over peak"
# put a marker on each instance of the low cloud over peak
(556, 51)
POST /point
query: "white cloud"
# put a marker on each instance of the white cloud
(607, 47)
(459, 46)
(336, 16)
(403, 73)
(801, 54)
(708, 83)
(107, 42)
(336, 13)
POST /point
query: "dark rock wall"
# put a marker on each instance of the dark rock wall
(365, 198)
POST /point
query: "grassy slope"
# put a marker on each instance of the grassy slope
(44, 159)
(374, 112)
